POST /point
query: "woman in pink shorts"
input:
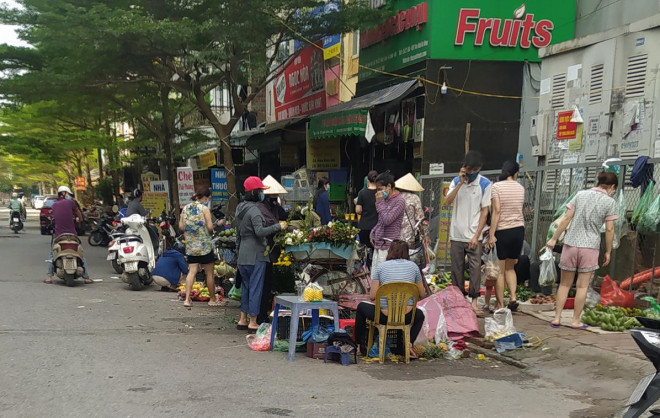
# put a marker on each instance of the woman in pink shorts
(586, 214)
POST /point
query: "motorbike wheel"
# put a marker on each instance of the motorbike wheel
(119, 269)
(70, 280)
(134, 281)
(95, 238)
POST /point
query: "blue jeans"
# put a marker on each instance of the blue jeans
(252, 287)
(51, 267)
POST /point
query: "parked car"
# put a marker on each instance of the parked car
(38, 201)
(46, 218)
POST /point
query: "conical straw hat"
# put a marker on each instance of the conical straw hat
(408, 183)
(275, 186)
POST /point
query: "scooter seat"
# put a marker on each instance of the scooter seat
(67, 237)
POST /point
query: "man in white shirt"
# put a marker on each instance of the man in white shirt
(470, 195)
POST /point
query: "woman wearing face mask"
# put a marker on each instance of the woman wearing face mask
(251, 243)
(197, 227)
(322, 201)
(588, 210)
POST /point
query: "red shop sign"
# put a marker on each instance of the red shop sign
(565, 128)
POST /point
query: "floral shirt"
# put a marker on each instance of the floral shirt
(413, 214)
(198, 239)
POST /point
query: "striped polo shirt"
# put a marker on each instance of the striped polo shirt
(395, 271)
(511, 195)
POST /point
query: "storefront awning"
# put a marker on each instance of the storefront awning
(270, 137)
(350, 118)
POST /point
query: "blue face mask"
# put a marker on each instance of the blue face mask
(69, 197)
(385, 194)
(327, 188)
(207, 203)
(472, 176)
(262, 196)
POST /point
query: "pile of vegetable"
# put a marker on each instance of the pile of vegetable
(439, 282)
(523, 293)
(612, 318)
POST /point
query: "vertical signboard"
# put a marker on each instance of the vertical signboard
(184, 176)
(219, 191)
(156, 198)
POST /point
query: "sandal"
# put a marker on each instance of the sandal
(252, 330)
(187, 304)
(48, 280)
(218, 302)
(88, 281)
(513, 306)
(242, 327)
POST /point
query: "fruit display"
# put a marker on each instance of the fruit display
(227, 237)
(313, 293)
(224, 270)
(612, 318)
(540, 300)
(199, 292)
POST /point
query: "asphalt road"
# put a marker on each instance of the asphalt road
(101, 350)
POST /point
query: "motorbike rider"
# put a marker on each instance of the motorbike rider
(15, 205)
(65, 215)
(135, 205)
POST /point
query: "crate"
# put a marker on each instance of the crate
(316, 350)
(394, 335)
(304, 323)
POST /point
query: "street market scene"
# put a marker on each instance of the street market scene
(361, 207)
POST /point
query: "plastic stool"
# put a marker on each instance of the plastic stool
(343, 323)
(344, 357)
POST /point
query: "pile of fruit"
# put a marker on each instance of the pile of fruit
(540, 300)
(612, 318)
(228, 236)
(313, 293)
(199, 292)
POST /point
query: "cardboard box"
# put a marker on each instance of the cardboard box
(316, 350)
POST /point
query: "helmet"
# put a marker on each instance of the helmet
(180, 247)
(64, 189)
(137, 193)
(14, 195)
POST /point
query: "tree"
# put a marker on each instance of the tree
(183, 46)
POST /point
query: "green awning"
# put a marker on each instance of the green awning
(350, 118)
(348, 122)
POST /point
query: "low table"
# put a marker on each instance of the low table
(296, 305)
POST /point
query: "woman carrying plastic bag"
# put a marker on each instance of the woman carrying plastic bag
(586, 213)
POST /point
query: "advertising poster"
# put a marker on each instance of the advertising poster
(81, 184)
(323, 153)
(565, 128)
(219, 185)
(156, 198)
(300, 89)
(444, 219)
(146, 179)
(184, 176)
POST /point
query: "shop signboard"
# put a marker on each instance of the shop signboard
(146, 179)
(186, 185)
(207, 159)
(323, 153)
(81, 184)
(565, 128)
(219, 192)
(331, 43)
(503, 30)
(348, 122)
(201, 179)
(156, 198)
(444, 219)
(300, 89)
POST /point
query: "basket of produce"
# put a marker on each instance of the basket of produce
(537, 303)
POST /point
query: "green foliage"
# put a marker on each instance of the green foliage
(103, 191)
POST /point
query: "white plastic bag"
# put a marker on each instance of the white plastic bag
(593, 298)
(434, 328)
(548, 271)
(500, 325)
(491, 268)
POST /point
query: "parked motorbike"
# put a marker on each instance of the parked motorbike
(137, 252)
(647, 391)
(166, 224)
(113, 249)
(67, 258)
(102, 234)
(15, 222)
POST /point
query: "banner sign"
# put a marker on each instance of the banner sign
(207, 159)
(323, 153)
(81, 184)
(219, 185)
(146, 179)
(349, 122)
(300, 89)
(157, 198)
(184, 176)
(565, 128)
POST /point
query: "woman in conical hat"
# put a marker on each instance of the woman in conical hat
(414, 227)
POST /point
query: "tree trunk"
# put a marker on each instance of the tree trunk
(167, 140)
(99, 153)
(223, 133)
(90, 187)
(113, 162)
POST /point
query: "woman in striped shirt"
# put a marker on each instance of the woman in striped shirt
(396, 269)
(507, 230)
